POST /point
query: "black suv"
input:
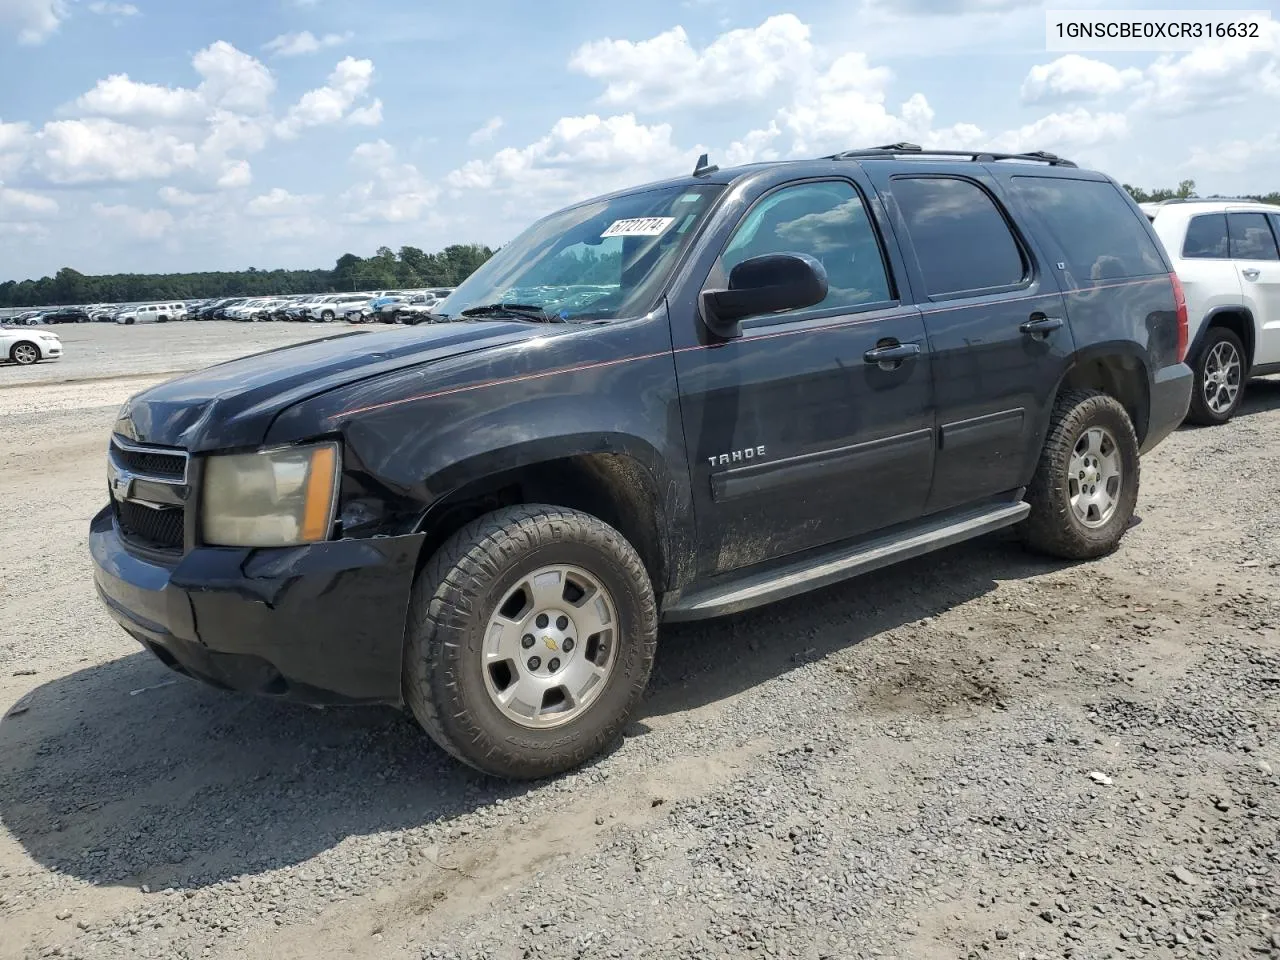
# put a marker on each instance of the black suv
(66, 315)
(674, 402)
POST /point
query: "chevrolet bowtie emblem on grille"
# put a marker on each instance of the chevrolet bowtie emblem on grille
(120, 482)
(551, 644)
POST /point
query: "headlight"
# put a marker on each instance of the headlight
(275, 498)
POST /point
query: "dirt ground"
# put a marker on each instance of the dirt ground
(975, 754)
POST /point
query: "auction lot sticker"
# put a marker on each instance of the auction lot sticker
(643, 227)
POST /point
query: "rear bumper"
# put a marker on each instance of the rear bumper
(1170, 400)
(321, 624)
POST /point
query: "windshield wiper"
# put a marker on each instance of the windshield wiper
(523, 311)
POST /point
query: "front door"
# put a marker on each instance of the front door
(797, 433)
(996, 325)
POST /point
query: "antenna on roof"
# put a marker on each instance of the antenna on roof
(702, 168)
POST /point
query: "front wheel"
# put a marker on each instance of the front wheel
(1219, 378)
(1085, 486)
(531, 636)
(327, 316)
(24, 354)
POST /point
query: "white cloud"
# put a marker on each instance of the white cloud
(1063, 131)
(915, 8)
(1214, 76)
(21, 205)
(369, 116)
(1233, 156)
(235, 174)
(178, 198)
(486, 131)
(34, 20)
(279, 202)
(233, 80)
(666, 72)
(111, 9)
(300, 44)
(1073, 77)
(349, 82)
(121, 98)
(392, 192)
(92, 150)
(133, 222)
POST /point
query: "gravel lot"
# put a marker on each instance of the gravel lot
(977, 754)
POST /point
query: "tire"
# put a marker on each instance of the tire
(1219, 344)
(1055, 526)
(24, 353)
(447, 684)
(327, 316)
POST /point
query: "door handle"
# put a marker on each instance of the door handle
(892, 353)
(1041, 326)
(1250, 273)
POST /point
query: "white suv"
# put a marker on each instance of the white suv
(152, 313)
(1227, 255)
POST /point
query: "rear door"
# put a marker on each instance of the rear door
(797, 435)
(995, 322)
(1256, 257)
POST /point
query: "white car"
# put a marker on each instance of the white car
(152, 313)
(1227, 256)
(25, 347)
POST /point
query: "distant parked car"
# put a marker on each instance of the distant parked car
(25, 347)
(67, 315)
(152, 313)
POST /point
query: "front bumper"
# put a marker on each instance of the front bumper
(320, 624)
(1170, 400)
(50, 351)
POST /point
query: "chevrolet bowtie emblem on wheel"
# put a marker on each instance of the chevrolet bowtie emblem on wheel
(120, 482)
(551, 644)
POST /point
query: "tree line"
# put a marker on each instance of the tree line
(385, 270)
(1186, 190)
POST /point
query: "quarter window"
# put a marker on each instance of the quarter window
(1206, 238)
(960, 237)
(1097, 230)
(826, 220)
(1251, 237)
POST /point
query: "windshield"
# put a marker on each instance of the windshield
(603, 259)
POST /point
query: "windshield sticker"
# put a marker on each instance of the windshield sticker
(643, 227)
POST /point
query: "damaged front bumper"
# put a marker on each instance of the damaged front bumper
(320, 624)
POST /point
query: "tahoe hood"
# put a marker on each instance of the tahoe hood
(233, 404)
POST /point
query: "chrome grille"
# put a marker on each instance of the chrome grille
(152, 463)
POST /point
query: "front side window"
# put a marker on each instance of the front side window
(1206, 238)
(826, 220)
(1098, 232)
(601, 260)
(960, 237)
(1251, 237)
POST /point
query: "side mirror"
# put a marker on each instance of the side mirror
(764, 284)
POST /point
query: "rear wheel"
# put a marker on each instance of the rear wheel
(1085, 487)
(24, 353)
(531, 636)
(1219, 378)
(327, 316)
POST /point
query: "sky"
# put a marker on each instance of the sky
(181, 135)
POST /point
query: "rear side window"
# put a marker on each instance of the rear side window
(960, 237)
(1094, 226)
(1206, 238)
(1251, 237)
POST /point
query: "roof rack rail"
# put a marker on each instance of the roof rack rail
(978, 156)
(1209, 200)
